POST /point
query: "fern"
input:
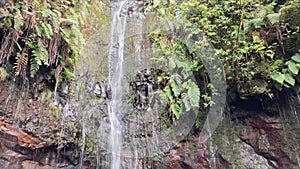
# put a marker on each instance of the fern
(47, 29)
(40, 57)
(38, 30)
(273, 18)
(20, 64)
(18, 21)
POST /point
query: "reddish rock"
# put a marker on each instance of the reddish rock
(221, 163)
(23, 139)
(191, 154)
(266, 138)
(21, 150)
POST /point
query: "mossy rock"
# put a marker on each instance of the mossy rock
(290, 14)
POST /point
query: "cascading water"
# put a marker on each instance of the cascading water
(124, 133)
(102, 88)
(115, 76)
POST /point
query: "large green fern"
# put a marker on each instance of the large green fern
(39, 58)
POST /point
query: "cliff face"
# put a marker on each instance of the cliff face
(258, 144)
(254, 134)
(31, 132)
(250, 136)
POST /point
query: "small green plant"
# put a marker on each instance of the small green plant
(286, 77)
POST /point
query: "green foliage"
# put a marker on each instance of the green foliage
(42, 33)
(39, 58)
(176, 82)
(193, 95)
(181, 92)
(296, 58)
(181, 96)
(286, 77)
(290, 12)
(251, 38)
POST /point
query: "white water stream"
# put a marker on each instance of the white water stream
(115, 75)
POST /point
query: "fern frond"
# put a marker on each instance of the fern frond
(40, 57)
(47, 29)
(20, 64)
(38, 30)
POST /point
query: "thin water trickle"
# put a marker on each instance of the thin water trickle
(83, 132)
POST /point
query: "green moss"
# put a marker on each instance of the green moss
(290, 14)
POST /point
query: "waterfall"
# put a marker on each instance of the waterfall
(111, 58)
(116, 132)
(115, 76)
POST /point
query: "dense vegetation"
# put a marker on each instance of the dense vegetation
(40, 43)
(257, 42)
(43, 38)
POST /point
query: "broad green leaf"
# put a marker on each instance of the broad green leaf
(168, 92)
(176, 109)
(289, 79)
(176, 84)
(186, 84)
(286, 85)
(293, 67)
(194, 94)
(186, 103)
(285, 70)
(296, 58)
(274, 17)
(278, 77)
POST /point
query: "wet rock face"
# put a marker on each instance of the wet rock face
(191, 154)
(258, 143)
(136, 7)
(142, 87)
(267, 139)
(131, 7)
(21, 150)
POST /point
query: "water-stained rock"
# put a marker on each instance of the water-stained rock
(19, 149)
(267, 139)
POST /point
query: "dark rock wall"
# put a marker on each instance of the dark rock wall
(264, 137)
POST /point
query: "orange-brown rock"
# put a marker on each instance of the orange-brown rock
(23, 139)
